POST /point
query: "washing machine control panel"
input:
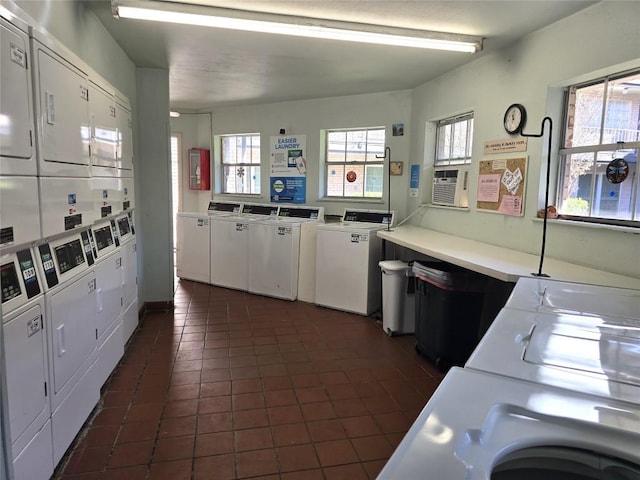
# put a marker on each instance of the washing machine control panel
(103, 237)
(18, 276)
(124, 228)
(47, 265)
(266, 210)
(311, 213)
(69, 255)
(88, 250)
(224, 207)
(368, 216)
(116, 237)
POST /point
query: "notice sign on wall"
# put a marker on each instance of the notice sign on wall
(288, 178)
(517, 144)
(501, 185)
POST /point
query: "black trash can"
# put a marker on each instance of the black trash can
(448, 311)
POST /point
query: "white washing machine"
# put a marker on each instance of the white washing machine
(19, 210)
(67, 204)
(274, 255)
(347, 256)
(309, 218)
(27, 366)
(545, 295)
(481, 426)
(230, 246)
(125, 237)
(106, 195)
(65, 263)
(192, 246)
(108, 270)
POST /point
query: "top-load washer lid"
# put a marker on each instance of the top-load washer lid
(596, 355)
(477, 423)
(543, 295)
(224, 208)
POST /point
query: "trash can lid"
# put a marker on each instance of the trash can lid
(394, 265)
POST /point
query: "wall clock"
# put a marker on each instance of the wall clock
(514, 119)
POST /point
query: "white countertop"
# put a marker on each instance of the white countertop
(498, 262)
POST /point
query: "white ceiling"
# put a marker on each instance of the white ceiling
(210, 67)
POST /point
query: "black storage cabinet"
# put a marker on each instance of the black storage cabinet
(448, 311)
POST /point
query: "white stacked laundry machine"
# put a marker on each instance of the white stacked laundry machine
(66, 185)
(552, 391)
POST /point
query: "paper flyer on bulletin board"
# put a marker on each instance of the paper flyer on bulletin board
(501, 185)
(288, 178)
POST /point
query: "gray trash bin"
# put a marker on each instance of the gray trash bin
(398, 301)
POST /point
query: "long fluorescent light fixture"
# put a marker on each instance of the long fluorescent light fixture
(296, 26)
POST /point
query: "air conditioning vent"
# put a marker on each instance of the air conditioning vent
(450, 188)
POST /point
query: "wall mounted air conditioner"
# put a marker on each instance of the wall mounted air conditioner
(450, 188)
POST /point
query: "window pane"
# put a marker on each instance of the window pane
(335, 180)
(615, 200)
(459, 140)
(356, 145)
(622, 120)
(375, 145)
(354, 188)
(584, 116)
(444, 142)
(373, 181)
(576, 192)
(336, 144)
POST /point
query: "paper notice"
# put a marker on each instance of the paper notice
(489, 188)
(511, 205)
(512, 180)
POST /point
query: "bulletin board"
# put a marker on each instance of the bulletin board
(501, 185)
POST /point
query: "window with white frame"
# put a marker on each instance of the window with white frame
(241, 163)
(454, 136)
(598, 174)
(354, 166)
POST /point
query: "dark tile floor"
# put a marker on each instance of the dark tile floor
(231, 386)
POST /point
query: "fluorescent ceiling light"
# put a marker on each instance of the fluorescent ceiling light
(173, 114)
(297, 26)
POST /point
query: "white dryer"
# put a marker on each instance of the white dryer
(108, 270)
(27, 366)
(481, 426)
(125, 237)
(70, 298)
(347, 257)
(309, 218)
(230, 246)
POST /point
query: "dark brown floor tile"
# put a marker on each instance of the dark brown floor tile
(372, 448)
(277, 398)
(145, 412)
(250, 418)
(82, 476)
(137, 432)
(303, 475)
(290, 434)
(114, 398)
(177, 426)
(277, 383)
(318, 411)
(360, 426)
(380, 404)
(341, 391)
(324, 430)
(130, 454)
(247, 401)
(222, 466)
(101, 436)
(392, 422)
(214, 405)
(297, 457)
(110, 416)
(171, 470)
(350, 407)
(149, 395)
(311, 394)
(215, 422)
(215, 389)
(239, 373)
(185, 378)
(90, 459)
(139, 472)
(187, 365)
(256, 463)
(306, 380)
(216, 375)
(249, 385)
(335, 452)
(214, 444)
(253, 439)
(181, 408)
(373, 468)
(183, 392)
(174, 448)
(352, 471)
(285, 414)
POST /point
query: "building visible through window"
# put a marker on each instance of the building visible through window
(241, 164)
(454, 137)
(598, 178)
(354, 166)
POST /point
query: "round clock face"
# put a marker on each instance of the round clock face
(514, 119)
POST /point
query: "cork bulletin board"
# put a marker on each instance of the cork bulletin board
(501, 185)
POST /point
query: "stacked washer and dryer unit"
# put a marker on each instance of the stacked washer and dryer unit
(552, 391)
(66, 178)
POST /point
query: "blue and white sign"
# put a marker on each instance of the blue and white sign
(288, 176)
(414, 180)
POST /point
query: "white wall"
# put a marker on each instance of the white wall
(605, 37)
(309, 117)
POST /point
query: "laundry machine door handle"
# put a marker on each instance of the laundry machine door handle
(61, 341)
